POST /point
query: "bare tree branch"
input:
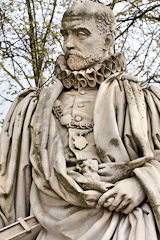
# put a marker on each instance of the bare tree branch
(12, 76)
(6, 99)
(32, 42)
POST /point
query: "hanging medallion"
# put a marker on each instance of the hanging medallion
(80, 142)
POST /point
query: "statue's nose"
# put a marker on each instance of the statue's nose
(70, 42)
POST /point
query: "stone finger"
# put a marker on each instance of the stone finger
(116, 202)
(122, 206)
(106, 178)
(91, 203)
(104, 172)
(108, 202)
(129, 209)
(102, 165)
(101, 171)
(105, 196)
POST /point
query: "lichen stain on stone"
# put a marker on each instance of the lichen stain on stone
(114, 141)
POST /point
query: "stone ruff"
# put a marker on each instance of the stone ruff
(91, 76)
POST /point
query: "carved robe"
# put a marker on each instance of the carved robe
(34, 171)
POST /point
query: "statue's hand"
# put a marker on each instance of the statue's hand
(124, 196)
(91, 197)
(114, 172)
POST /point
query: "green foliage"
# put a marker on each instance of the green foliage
(30, 39)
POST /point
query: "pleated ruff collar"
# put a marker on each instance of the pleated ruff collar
(91, 76)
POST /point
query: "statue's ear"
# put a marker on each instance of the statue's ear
(109, 41)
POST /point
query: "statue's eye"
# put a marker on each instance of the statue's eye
(82, 34)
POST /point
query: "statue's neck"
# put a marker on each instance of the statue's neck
(92, 76)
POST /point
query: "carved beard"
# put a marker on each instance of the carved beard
(76, 62)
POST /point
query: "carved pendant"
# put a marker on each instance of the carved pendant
(80, 142)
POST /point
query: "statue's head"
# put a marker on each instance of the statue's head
(89, 30)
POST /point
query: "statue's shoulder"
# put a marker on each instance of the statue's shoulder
(131, 83)
(129, 78)
(135, 84)
(44, 95)
(28, 92)
(37, 92)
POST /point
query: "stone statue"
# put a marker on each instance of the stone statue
(83, 155)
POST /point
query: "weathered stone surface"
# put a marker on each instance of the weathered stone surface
(83, 155)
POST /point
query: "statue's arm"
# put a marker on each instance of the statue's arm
(115, 171)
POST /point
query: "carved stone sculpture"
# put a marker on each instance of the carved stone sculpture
(83, 155)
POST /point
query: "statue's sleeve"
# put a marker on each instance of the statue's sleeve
(149, 177)
(149, 174)
(15, 170)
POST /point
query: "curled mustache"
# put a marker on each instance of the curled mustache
(74, 52)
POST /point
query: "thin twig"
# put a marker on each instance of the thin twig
(6, 98)
(12, 76)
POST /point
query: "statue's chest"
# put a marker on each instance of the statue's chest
(74, 109)
(78, 106)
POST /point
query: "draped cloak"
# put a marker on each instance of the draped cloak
(33, 172)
